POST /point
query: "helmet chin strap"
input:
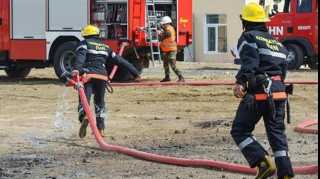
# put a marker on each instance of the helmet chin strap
(244, 23)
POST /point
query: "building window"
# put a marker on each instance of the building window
(215, 33)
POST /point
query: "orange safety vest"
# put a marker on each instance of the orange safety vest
(169, 44)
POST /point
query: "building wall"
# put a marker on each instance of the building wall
(234, 28)
(232, 9)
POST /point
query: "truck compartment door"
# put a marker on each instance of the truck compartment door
(68, 14)
(184, 21)
(28, 20)
(304, 20)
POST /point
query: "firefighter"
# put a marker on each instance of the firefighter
(260, 84)
(169, 49)
(91, 58)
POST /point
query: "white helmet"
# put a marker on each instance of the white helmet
(165, 20)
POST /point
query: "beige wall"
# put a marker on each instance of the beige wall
(234, 27)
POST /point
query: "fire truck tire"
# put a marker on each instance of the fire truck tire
(297, 55)
(120, 75)
(146, 63)
(17, 72)
(313, 65)
(139, 63)
(62, 59)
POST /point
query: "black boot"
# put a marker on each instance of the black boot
(181, 79)
(166, 79)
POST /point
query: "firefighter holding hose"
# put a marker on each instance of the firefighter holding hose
(91, 58)
(260, 84)
(169, 49)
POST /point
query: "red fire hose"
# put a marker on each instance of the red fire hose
(122, 46)
(203, 83)
(302, 126)
(78, 82)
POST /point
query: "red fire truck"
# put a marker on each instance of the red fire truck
(295, 24)
(44, 33)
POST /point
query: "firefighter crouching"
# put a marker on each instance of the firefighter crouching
(260, 82)
(91, 58)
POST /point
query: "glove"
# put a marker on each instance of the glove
(256, 81)
(83, 71)
(250, 102)
(138, 78)
(261, 79)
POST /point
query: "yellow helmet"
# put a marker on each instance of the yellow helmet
(253, 12)
(90, 30)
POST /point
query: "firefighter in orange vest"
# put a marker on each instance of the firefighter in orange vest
(91, 58)
(260, 84)
(169, 49)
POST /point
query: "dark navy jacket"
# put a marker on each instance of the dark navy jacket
(262, 54)
(93, 55)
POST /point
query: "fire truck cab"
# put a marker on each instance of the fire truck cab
(45, 33)
(295, 24)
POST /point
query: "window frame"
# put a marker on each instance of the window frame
(206, 27)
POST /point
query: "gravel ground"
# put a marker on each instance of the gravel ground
(39, 129)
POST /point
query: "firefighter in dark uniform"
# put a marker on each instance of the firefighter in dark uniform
(260, 82)
(91, 58)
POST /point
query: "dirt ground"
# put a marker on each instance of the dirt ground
(39, 126)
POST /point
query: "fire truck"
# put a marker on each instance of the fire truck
(45, 33)
(295, 24)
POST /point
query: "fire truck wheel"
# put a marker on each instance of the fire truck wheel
(120, 75)
(146, 62)
(62, 59)
(313, 65)
(17, 72)
(138, 64)
(296, 57)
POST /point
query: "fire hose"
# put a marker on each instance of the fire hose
(201, 83)
(77, 83)
(302, 126)
(114, 69)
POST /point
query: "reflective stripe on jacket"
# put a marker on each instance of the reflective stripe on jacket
(261, 53)
(92, 54)
(169, 44)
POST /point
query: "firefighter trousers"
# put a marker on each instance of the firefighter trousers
(243, 126)
(96, 87)
(169, 58)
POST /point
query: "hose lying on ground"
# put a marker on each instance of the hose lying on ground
(203, 83)
(302, 126)
(313, 169)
